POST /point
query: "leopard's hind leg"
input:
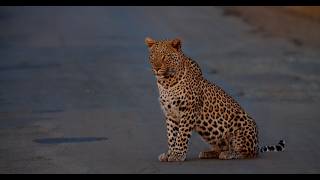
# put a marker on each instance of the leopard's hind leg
(242, 145)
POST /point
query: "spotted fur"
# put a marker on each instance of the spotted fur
(192, 103)
(276, 148)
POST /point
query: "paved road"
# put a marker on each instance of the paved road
(77, 94)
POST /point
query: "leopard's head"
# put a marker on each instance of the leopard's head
(165, 57)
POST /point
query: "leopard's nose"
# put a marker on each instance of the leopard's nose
(157, 69)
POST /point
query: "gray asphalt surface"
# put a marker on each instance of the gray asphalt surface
(77, 94)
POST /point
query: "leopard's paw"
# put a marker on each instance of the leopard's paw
(175, 157)
(208, 155)
(163, 157)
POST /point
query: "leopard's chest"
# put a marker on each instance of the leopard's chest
(171, 101)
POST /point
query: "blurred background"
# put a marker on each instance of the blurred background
(77, 94)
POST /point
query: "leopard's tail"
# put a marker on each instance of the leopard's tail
(276, 148)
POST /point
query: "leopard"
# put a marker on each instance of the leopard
(191, 103)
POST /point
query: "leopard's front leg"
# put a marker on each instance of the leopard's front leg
(172, 131)
(179, 152)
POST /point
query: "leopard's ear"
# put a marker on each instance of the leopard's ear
(176, 43)
(149, 42)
